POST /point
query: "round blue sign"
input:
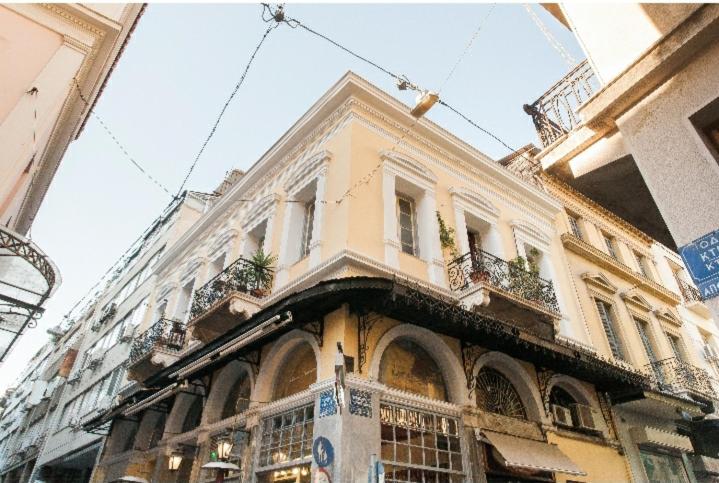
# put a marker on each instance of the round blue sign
(323, 452)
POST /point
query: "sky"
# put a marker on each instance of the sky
(183, 61)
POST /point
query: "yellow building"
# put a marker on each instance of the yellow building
(372, 291)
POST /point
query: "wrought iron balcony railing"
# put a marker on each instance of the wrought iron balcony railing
(241, 276)
(675, 376)
(165, 334)
(689, 292)
(555, 113)
(483, 267)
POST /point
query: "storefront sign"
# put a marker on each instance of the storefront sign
(702, 260)
(323, 452)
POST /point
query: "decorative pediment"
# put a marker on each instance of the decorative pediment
(260, 210)
(164, 292)
(597, 280)
(307, 169)
(190, 267)
(221, 240)
(530, 233)
(475, 203)
(665, 314)
(636, 300)
(403, 164)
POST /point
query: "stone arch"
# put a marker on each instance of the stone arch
(447, 361)
(275, 360)
(573, 387)
(227, 376)
(520, 379)
(148, 424)
(180, 408)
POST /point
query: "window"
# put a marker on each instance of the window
(610, 243)
(642, 264)
(406, 225)
(676, 346)
(574, 226)
(184, 301)
(496, 394)
(407, 366)
(308, 226)
(643, 330)
(287, 437)
(419, 446)
(607, 318)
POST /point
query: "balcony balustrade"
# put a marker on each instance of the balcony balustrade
(555, 113)
(482, 269)
(677, 377)
(689, 292)
(231, 296)
(155, 348)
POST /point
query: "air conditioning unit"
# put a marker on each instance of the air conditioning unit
(585, 417)
(562, 415)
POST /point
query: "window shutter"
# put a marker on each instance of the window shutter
(605, 316)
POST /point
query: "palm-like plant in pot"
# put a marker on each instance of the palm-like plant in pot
(259, 272)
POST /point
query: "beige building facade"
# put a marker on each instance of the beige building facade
(49, 55)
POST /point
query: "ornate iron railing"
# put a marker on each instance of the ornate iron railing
(555, 113)
(673, 375)
(689, 292)
(166, 334)
(483, 267)
(241, 276)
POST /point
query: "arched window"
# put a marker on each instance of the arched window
(239, 397)
(407, 366)
(298, 372)
(497, 395)
(560, 397)
(194, 415)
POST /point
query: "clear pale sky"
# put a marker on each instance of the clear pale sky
(183, 61)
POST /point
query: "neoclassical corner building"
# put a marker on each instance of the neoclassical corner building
(469, 354)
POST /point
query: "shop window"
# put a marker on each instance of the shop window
(286, 438)
(419, 446)
(496, 394)
(238, 399)
(299, 371)
(407, 224)
(407, 366)
(662, 467)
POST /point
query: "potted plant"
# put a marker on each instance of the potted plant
(259, 272)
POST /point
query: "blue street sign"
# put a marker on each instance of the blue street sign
(323, 452)
(702, 260)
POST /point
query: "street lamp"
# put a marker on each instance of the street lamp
(174, 461)
(224, 447)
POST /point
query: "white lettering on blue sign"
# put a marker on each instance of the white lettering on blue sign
(702, 260)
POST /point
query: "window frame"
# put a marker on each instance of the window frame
(400, 197)
(612, 324)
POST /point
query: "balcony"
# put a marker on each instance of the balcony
(107, 314)
(155, 349)
(230, 297)
(679, 378)
(555, 113)
(692, 298)
(476, 275)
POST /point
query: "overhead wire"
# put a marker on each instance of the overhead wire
(224, 107)
(553, 41)
(92, 112)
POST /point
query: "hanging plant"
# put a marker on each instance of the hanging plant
(446, 237)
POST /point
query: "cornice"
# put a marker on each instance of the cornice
(62, 13)
(587, 251)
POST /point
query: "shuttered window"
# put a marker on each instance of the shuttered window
(574, 225)
(605, 314)
(644, 334)
(406, 225)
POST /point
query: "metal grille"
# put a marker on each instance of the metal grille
(479, 266)
(167, 334)
(497, 395)
(287, 437)
(673, 375)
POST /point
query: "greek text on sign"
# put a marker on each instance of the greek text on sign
(702, 260)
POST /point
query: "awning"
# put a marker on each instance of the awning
(533, 455)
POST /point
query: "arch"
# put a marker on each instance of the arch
(438, 349)
(229, 375)
(405, 365)
(180, 409)
(147, 433)
(520, 379)
(275, 360)
(573, 387)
